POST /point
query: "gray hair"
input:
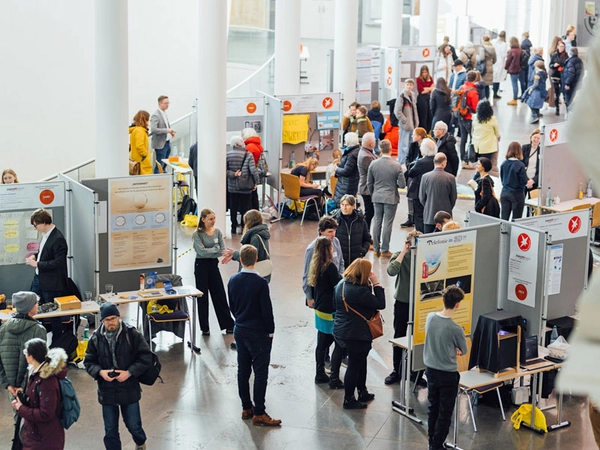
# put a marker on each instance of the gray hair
(247, 133)
(428, 147)
(350, 199)
(369, 137)
(441, 125)
(237, 142)
(351, 139)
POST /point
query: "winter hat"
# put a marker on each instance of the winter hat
(486, 164)
(109, 309)
(24, 301)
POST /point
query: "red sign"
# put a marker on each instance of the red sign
(251, 108)
(524, 242)
(553, 135)
(327, 102)
(46, 196)
(425, 52)
(287, 105)
(574, 224)
(390, 70)
(521, 292)
(389, 81)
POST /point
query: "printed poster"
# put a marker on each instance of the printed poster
(555, 273)
(561, 226)
(442, 261)
(139, 229)
(18, 239)
(295, 128)
(522, 266)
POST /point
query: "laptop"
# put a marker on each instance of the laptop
(531, 352)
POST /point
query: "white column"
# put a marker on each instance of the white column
(287, 47)
(212, 90)
(428, 22)
(112, 88)
(344, 46)
(391, 23)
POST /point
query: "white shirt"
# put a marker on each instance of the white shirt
(164, 114)
(42, 243)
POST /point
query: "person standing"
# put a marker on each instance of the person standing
(537, 91)
(414, 174)
(437, 192)
(117, 354)
(557, 63)
(485, 199)
(424, 87)
(405, 110)
(13, 334)
(486, 134)
(444, 341)
(487, 56)
(525, 56)
(138, 142)
(414, 154)
(571, 76)
(365, 158)
(501, 49)
(347, 171)
(513, 67)
(253, 145)
(241, 181)
(513, 177)
(209, 246)
(50, 264)
(444, 67)
(440, 103)
(254, 327)
(161, 130)
(446, 144)
(352, 231)
(465, 122)
(384, 177)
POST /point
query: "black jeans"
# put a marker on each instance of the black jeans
(418, 215)
(557, 85)
(253, 353)
(208, 280)
(324, 341)
(356, 372)
(511, 202)
(369, 210)
(442, 389)
(400, 324)
(238, 203)
(465, 134)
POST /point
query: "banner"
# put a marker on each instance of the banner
(442, 261)
(562, 226)
(297, 104)
(31, 196)
(295, 128)
(522, 266)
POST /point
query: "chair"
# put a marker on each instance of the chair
(463, 365)
(291, 189)
(332, 184)
(582, 206)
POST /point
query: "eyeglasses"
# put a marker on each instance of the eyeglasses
(110, 319)
(35, 225)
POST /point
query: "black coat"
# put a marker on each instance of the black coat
(323, 291)
(572, 72)
(421, 167)
(347, 174)
(560, 59)
(439, 104)
(52, 263)
(485, 200)
(353, 234)
(447, 145)
(414, 153)
(347, 324)
(527, 156)
(132, 354)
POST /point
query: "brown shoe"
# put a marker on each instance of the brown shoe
(266, 421)
(247, 413)
(386, 254)
(371, 247)
(512, 102)
(377, 254)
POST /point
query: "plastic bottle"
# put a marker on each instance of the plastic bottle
(554, 335)
(174, 152)
(292, 160)
(549, 197)
(580, 195)
(86, 332)
(589, 189)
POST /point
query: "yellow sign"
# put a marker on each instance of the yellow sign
(295, 128)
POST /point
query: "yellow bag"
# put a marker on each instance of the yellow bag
(523, 414)
(162, 309)
(297, 206)
(81, 349)
(189, 220)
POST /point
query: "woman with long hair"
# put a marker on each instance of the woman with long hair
(439, 104)
(513, 67)
(304, 172)
(209, 246)
(486, 134)
(358, 297)
(514, 181)
(323, 276)
(352, 230)
(9, 176)
(531, 158)
(138, 142)
(42, 412)
(424, 86)
(558, 58)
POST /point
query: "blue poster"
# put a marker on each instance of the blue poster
(328, 120)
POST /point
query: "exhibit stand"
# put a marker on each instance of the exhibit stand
(367, 74)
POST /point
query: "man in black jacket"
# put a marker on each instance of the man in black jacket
(117, 354)
(446, 144)
(571, 75)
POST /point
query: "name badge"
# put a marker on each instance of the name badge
(334, 255)
(216, 240)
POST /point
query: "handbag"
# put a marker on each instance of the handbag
(264, 267)
(244, 183)
(375, 323)
(134, 167)
(493, 207)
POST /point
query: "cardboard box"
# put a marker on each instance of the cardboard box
(68, 303)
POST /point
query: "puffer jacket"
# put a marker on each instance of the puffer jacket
(572, 72)
(236, 158)
(13, 335)
(447, 145)
(391, 134)
(253, 237)
(349, 325)
(254, 146)
(347, 174)
(487, 52)
(42, 427)
(132, 354)
(353, 234)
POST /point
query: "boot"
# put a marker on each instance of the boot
(409, 222)
(321, 377)
(557, 109)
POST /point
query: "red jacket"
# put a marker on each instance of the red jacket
(472, 98)
(253, 146)
(391, 134)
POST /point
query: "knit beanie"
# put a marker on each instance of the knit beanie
(109, 309)
(24, 301)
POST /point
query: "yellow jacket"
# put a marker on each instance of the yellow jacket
(138, 143)
(485, 135)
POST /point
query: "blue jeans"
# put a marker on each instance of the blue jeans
(511, 202)
(162, 153)
(253, 353)
(404, 140)
(442, 388)
(384, 216)
(514, 78)
(133, 422)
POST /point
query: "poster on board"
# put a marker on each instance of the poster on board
(139, 231)
(562, 226)
(442, 261)
(18, 239)
(31, 196)
(522, 266)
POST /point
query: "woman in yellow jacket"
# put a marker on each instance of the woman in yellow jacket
(138, 142)
(486, 134)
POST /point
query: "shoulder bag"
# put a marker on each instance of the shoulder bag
(244, 182)
(375, 323)
(134, 167)
(264, 267)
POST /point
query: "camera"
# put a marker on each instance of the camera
(113, 374)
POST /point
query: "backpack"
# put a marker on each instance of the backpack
(524, 61)
(188, 206)
(458, 103)
(149, 376)
(69, 403)
(68, 342)
(469, 64)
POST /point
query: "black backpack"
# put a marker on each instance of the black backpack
(469, 64)
(68, 342)
(150, 376)
(524, 61)
(188, 206)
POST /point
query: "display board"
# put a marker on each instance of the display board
(367, 75)
(17, 237)
(587, 22)
(272, 139)
(389, 74)
(246, 112)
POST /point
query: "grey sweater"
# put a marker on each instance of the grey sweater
(209, 247)
(443, 336)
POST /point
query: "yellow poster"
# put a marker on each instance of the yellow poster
(295, 128)
(139, 232)
(444, 260)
